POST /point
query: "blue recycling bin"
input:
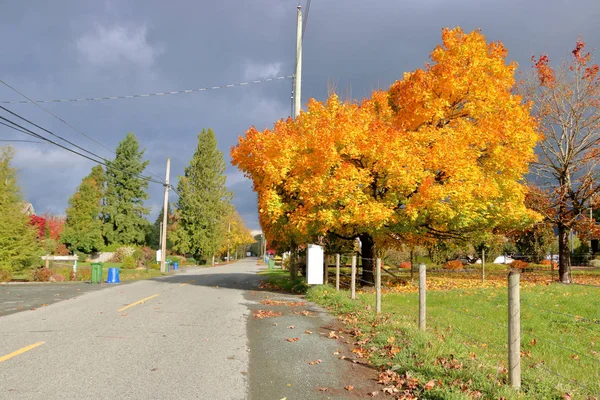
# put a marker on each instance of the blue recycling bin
(175, 265)
(113, 275)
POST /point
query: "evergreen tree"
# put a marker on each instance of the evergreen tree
(203, 201)
(18, 245)
(124, 211)
(83, 229)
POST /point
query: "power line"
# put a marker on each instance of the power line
(134, 96)
(16, 129)
(54, 115)
(19, 141)
(29, 132)
(22, 129)
(305, 20)
(51, 133)
(63, 121)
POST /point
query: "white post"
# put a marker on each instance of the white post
(514, 329)
(75, 264)
(337, 272)
(353, 279)
(422, 297)
(298, 75)
(378, 286)
(163, 248)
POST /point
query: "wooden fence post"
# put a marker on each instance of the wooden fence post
(514, 329)
(337, 272)
(325, 270)
(353, 279)
(378, 286)
(422, 297)
(483, 266)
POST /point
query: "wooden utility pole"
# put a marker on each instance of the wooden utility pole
(298, 75)
(163, 248)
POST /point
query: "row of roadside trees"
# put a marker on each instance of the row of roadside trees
(107, 209)
(442, 156)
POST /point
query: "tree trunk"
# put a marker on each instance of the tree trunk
(564, 259)
(368, 254)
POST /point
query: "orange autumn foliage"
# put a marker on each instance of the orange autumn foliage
(443, 152)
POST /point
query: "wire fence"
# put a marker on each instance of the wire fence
(562, 344)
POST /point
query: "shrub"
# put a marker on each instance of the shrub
(129, 262)
(176, 259)
(138, 254)
(546, 262)
(155, 266)
(62, 250)
(595, 263)
(42, 274)
(5, 275)
(121, 253)
(405, 265)
(83, 274)
(191, 261)
(454, 265)
(519, 264)
(148, 256)
(57, 278)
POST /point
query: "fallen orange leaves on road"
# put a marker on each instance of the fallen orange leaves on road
(259, 314)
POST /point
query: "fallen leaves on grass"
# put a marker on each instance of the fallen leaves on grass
(260, 314)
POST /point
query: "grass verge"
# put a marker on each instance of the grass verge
(463, 353)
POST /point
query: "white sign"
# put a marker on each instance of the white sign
(314, 265)
(158, 256)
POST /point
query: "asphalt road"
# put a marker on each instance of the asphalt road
(186, 336)
(19, 297)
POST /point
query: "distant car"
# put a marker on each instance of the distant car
(503, 260)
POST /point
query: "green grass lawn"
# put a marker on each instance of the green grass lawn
(560, 339)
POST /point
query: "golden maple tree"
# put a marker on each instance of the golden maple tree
(443, 152)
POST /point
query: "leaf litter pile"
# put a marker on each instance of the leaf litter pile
(283, 303)
(260, 314)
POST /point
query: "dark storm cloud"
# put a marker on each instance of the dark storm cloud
(99, 48)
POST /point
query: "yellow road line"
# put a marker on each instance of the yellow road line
(20, 351)
(138, 302)
(183, 284)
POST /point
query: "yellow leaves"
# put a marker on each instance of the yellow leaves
(445, 146)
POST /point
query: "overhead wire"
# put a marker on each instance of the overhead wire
(52, 133)
(36, 103)
(156, 94)
(61, 120)
(29, 132)
(20, 141)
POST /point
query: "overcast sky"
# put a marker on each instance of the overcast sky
(70, 49)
